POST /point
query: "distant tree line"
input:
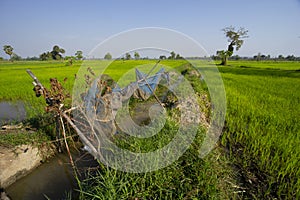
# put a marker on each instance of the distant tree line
(136, 56)
(260, 57)
(56, 54)
(173, 56)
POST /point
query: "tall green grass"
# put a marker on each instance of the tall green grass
(263, 126)
(188, 178)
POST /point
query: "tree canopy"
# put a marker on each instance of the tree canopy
(172, 56)
(136, 55)
(8, 50)
(162, 57)
(56, 52)
(235, 39)
(108, 56)
(46, 56)
(127, 56)
(78, 55)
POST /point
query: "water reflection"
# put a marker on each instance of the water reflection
(53, 179)
(10, 112)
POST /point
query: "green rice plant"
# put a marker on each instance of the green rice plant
(262, 126)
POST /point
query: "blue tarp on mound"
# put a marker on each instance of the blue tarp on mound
(109, 103)
(147, 85)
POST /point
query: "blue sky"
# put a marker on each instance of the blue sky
(35, 26)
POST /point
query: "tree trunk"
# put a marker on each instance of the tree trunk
(224, 60)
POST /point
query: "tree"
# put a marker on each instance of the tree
(172, 56)
(178, 57)
(56, 52)
(78, 55)
(235, 39)
(280, 57)
(108, 56)
(46, 56)
(32, 58)
(127, 56)
(8, 50)
(69, 60)
(162, 57)
(257, 57)
(136, 55)
(43, 56)
(290, 57)
(223, 55)
(15, 57)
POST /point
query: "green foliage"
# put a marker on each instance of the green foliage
(235, 37)
(15, 57)
(19, 138)
(107, 56)
(69, 60)
(224, 55)
(127, 56)
(178, 56)
(8, 50)
(32, 58)
(162, 57)
(46, 56)
(78, 55)
(56, 52)
(136, 55)
(172, 56)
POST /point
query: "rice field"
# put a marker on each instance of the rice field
(15, 83)
(262, 130)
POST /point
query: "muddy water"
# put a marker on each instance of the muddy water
(12, 112)
(53, 179)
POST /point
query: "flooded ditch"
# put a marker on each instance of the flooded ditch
(12, 111)
(54, 179)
